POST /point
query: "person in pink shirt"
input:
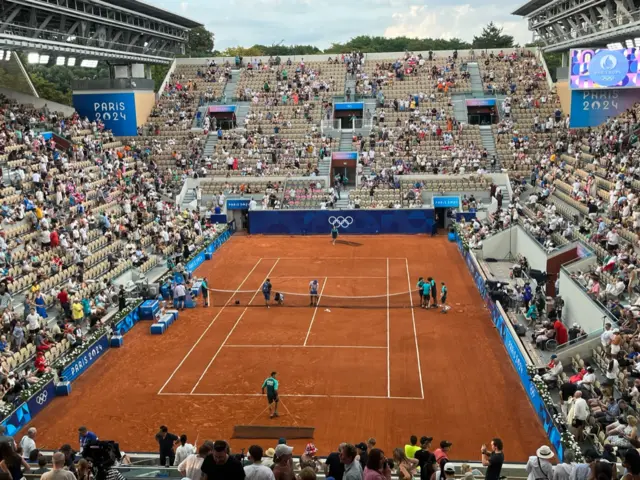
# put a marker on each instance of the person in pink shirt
(378, 467)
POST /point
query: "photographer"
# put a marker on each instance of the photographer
(378, 467)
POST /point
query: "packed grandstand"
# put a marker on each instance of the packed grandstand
(76, 219)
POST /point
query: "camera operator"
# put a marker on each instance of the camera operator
(102, 457)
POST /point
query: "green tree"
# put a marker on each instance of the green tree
(368, 44)
(200, 43)
(49, 90)
(492, 37)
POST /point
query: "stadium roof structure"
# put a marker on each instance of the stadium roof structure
(530, 7)
(157, 12)
(124, 31)
(562, 24)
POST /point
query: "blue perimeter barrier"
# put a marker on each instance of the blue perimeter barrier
(362, 222)
(25, 412)
(514, 348)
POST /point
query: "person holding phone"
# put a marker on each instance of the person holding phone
(493, 459)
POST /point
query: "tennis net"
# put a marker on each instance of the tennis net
(253, 298)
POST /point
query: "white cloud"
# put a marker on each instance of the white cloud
(458, 21)
(321, 23)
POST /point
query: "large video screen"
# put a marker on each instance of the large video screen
(602, 68)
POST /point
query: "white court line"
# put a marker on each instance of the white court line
(292, 395)
(233, 328)
(304, 346)
(315, 311)
(208, 327)
(311, 276)
(388, 356)
(415, 334)
(333, 258)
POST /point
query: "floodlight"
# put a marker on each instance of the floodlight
(33, 58)
(89, 63)
(44, 59)
(71, 62)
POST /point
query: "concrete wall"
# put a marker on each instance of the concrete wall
(513, 242)
(502, 246)
(562, 88)
(530, 248)
(578, 307)
(144, 104)
(324, 57)
(37, 102)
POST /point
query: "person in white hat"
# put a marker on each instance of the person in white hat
(538, 466)
(283, 466)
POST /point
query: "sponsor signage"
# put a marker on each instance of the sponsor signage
(238, 204)
(27, 410)
(127, 323)
(116, 110)
(590, 108)
(84, 361)
(446, 202)
(222, 109)
(481, 102)
(344, 156)
(349, 106)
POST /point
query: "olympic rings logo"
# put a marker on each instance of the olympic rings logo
(40, 399)
(343, 222)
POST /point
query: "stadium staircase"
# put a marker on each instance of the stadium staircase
(346, 141)
(349, 86)
(343, 201)
(476, 79)
(489, 142)
(230, 88)
(324, 167)
(241, 112)
(189, 197)
(369, 106)
(460, 107)
(210, 145)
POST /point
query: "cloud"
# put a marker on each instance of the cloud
(321, 23)
(457, 21)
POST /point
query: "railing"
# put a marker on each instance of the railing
(114, 84)
(330, 124)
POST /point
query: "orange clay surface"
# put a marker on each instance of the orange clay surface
(357, 377)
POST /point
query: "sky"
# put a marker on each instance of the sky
(322, 22)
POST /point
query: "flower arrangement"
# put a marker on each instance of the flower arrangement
(566, 437)
(34, 388)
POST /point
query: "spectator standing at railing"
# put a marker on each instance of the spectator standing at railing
(191, 467)
(28, 442)
(220, 465)
(58, 472)
(257, 471)
(184, 450)
(493, 459)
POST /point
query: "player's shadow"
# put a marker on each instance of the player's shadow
(347, 242)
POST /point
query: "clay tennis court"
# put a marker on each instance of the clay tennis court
(351, 373)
